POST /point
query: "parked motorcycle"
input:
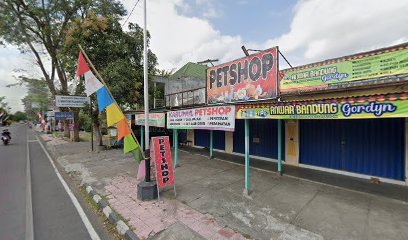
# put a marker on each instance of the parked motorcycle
(5, 136)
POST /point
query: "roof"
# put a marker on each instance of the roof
(191, 70)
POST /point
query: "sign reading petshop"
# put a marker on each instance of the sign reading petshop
(210, 118)
(250, 78)
(163, 163)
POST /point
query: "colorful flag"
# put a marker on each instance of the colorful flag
(92, 84)
(113, 114)
(103, 98)
(82, 66)
(123, 129)
(129, 144)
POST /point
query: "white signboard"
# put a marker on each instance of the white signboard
(211, 118)
(71, 101)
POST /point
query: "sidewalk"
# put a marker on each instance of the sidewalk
(210, 203)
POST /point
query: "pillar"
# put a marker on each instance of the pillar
(142, 140)
(229, 142)
(211, 143)
(406, 151)
(280, 146)
(247, 183)
(176, 162)
(190, 136)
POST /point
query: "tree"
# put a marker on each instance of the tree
(117, 55)
(18, 116)
(40, 27)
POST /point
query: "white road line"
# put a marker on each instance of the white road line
(74, 200)
(29, 199)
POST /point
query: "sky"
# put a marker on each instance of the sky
(306, 31)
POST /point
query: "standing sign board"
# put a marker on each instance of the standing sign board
(71, 101)
(210, 118)
(246, 79)
(160, 152)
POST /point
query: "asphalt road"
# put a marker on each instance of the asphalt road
(48, 211)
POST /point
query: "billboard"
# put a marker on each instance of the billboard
(245, 79)
(64, 115)
(161, 153)
(211, 118)
(155, 119)
(361, 69)
(71, 101)
(378, 106)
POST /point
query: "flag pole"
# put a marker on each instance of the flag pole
(146, 97)
(100, 77)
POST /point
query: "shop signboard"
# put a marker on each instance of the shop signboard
(361, 69)
(71, 101)
(379, 106)
(210, 118)
(155, 119)
(64, 115)
(162, 159)
(246, 79)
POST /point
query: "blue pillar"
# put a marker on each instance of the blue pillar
(280, 146)
(247, 184)
(211, 143)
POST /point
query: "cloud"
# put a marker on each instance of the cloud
(177, 39)
(322, 29)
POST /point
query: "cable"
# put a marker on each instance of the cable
(130, 14)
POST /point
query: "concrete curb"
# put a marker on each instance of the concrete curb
(122, 228)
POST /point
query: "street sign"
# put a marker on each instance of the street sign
(71, 101)
(64, 115)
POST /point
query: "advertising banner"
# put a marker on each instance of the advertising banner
(64, 115)
(251, 78)
(71, 101)
(363, 68)
(211, 118)
(163, 163)
(388, 106)
(155, 119)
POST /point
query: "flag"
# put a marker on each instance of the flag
(113, 114)
(103, 98)
(129, 144)
(123, 129)
(92, 84)
(82, 66)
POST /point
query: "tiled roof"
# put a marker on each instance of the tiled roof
(191, 70)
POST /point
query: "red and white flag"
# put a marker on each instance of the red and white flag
(92, 84)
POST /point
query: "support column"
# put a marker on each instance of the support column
(247, 183)
(142, 140)
(280, 146)
(229, 142)
(176, 162)
(292, 142)
(211, 143)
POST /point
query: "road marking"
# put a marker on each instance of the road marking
(29, 199)
(74, 200)
(30, 141)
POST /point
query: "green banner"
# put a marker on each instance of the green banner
(155, 119)
(390, 106)
(330, 74)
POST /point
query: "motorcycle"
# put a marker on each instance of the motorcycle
(5, 136)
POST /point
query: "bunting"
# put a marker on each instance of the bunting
(105, 100)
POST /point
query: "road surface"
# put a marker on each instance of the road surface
(34, 203)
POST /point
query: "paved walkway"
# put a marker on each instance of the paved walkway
(210, 203)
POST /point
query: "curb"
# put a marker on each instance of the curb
(122, 228)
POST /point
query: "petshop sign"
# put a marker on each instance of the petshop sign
(246, 79)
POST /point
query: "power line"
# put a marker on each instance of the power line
(130, 14)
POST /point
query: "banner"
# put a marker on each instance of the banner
(380, 106)
(211, 118)
(163, 163)
(71, 101)
(155, 119)
(246, 79)
(361, 69)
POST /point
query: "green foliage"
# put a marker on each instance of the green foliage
(18, 116)
(85, 121)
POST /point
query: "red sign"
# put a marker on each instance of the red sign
(164, 165)
(247, 79)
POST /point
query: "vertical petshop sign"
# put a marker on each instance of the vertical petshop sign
(245, 79)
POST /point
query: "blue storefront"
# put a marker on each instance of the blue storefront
(202, 139)
(374, 147)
